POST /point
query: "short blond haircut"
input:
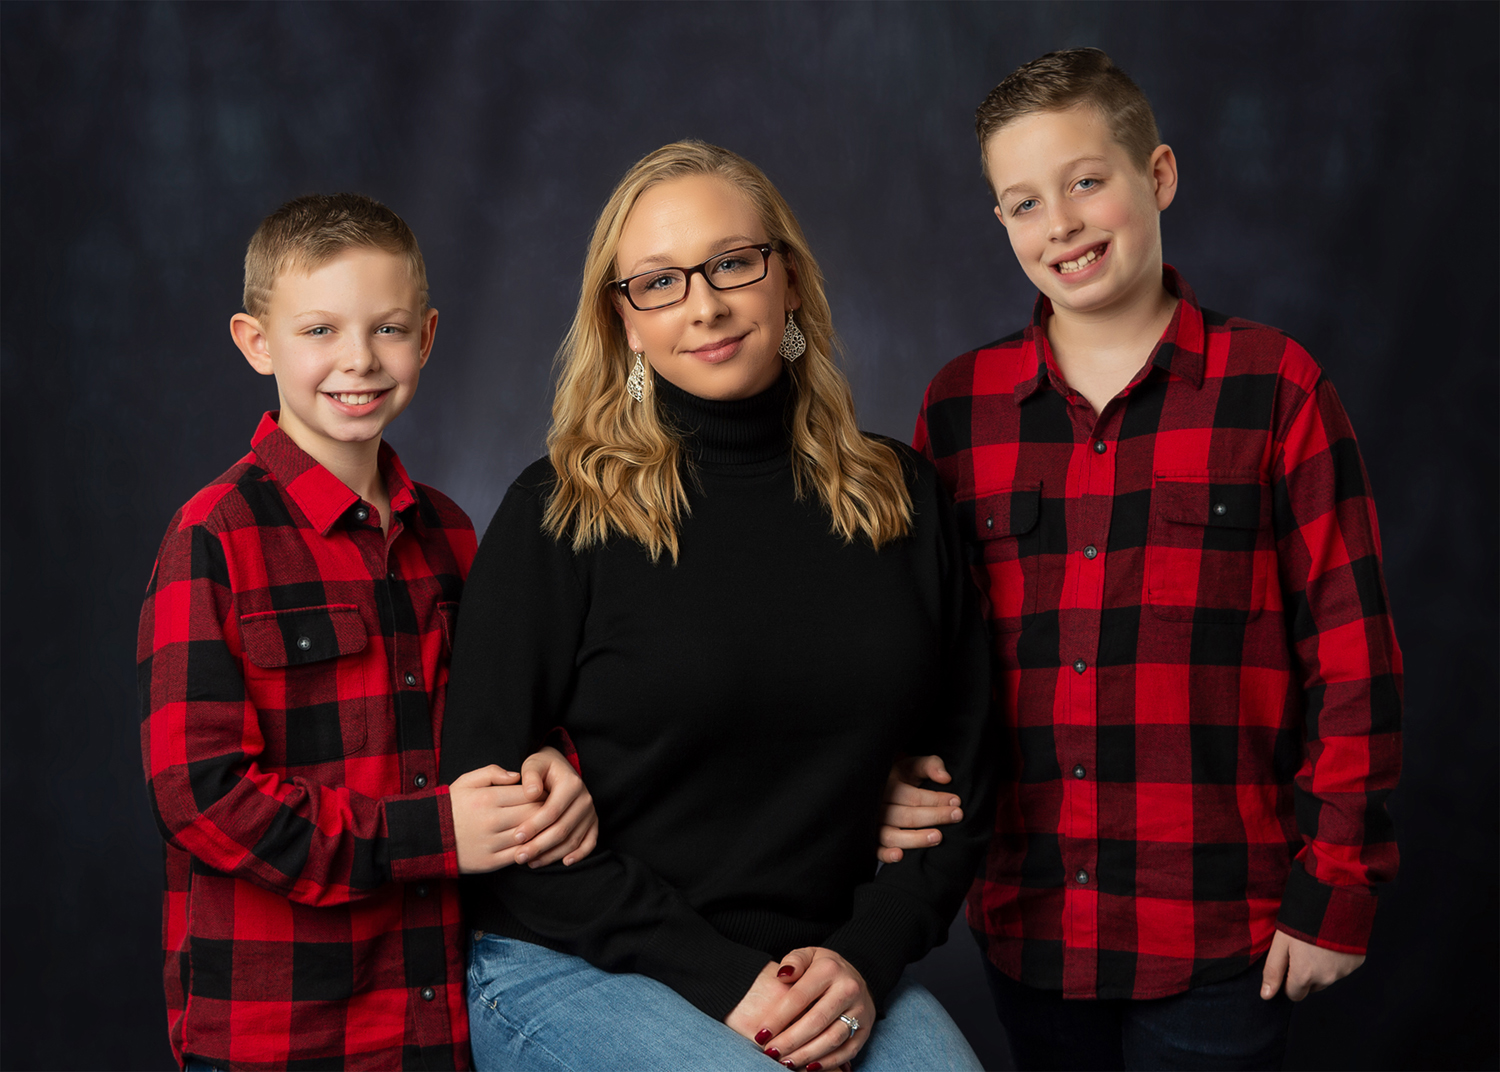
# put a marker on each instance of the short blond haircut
(1062, 80)
(309, 231)
(620, 466)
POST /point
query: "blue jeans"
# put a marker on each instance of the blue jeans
(1219, 1026)
(534, 1010)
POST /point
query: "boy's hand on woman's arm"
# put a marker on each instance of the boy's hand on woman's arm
(1305, 967)
(911, 814)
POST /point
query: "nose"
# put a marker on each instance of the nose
(1062, 222)
(703, 301)
(360, 357)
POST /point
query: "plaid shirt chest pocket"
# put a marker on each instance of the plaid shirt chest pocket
(305, 674)
(1004, 524)
(1210, 555)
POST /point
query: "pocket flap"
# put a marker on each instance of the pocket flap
(1008, 512)
(1212, 499)
(302, 635)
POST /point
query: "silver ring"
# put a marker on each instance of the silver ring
(851, 1023)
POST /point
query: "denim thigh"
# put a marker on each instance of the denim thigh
(1219, 1026)
(535, 1010)
(916, 1034)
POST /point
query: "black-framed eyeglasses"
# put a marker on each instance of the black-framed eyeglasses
(730, 270)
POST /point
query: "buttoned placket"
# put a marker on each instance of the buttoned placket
(1089, 501)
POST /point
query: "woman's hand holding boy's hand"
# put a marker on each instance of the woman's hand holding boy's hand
(911, 814)
(566, 827)
(792, 1010)
(539, 816)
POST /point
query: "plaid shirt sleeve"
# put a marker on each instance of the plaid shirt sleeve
(202, 742)
(1328, 554)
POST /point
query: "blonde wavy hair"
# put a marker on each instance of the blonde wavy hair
(620, 467)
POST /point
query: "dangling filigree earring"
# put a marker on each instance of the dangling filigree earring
(793, 342)
(636, 384)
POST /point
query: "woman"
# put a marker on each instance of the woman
(741, 609)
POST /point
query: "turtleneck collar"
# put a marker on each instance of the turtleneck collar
(742, 431)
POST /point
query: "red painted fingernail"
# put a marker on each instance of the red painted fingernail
(762, 1037)
(814, 1066)
(785, 971)
(773, 1053)
(789, 1064)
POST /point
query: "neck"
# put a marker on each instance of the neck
(736, 432)
(1129, 327)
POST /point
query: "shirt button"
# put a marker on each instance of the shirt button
(422, 890)
(1220, 509)
(411, 679)
(1078, 771)
(391, 576)
(989, 522)
(304, 642)
(420, 781)
(1100, 447)
(1080, 666)
(428, 993)
(1091, 551)
(361, 514)
(1082, 877)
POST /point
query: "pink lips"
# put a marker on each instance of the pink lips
(1088, 271)
(715, 353)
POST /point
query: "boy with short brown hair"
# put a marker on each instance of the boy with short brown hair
(1172, 525)
(293, 656)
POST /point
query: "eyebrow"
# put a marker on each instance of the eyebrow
(728, 242)
(1069, 166)
(324, 314)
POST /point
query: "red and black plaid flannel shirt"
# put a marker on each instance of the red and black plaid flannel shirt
(1195, 659)
(293, 665)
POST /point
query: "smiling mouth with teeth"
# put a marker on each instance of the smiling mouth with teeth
(351, 399)
(1069, 267)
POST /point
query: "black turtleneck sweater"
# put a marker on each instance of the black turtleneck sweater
(735, 715)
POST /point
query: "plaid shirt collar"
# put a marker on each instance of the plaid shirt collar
(322, 497)
(1179, 352)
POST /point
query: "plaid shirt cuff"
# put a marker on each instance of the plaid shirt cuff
(420, 839)
(1334, 917)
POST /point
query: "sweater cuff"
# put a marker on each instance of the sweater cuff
(883, 937)
(420, 844)
(711, 972)
(1334, 917)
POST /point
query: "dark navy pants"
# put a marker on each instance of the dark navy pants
(1220, 1026)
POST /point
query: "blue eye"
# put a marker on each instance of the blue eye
(1086, 184)
(660, 282)
(319, 331)
(1024, 206)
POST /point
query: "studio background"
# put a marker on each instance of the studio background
(1339, 180)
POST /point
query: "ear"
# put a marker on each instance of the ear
(623, 311)
(429, 332)
(793, 295)
(250, 336)
(1163, 172)
(999, 215)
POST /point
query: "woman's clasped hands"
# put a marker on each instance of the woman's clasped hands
(812, 1010)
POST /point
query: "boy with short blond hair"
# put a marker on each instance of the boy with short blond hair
(293, 656)
(1196, 664)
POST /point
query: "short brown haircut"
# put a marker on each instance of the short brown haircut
(1062, 80)
(309, 231)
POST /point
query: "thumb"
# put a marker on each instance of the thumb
(932, 768)
(793, 965)
(534, 776)
(480, 777)
(1276, 964)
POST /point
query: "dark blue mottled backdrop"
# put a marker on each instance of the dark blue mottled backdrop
(1338, 180)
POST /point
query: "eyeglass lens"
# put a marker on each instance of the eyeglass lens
(734, 268)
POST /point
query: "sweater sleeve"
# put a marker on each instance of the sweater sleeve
(908, 906)
(514, 663)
